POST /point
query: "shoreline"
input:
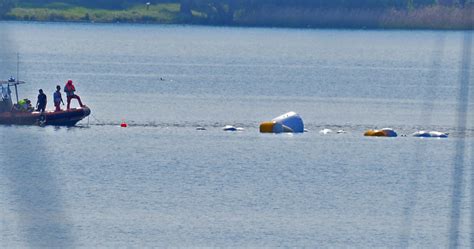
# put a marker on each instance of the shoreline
(426, 18)
(237, 26)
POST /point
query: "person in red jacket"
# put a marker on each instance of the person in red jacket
(70, 89)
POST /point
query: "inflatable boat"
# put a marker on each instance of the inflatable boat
(60, 118)
(23, 113)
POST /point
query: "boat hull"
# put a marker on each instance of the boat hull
(61, 118)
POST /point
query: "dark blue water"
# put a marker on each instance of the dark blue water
(161, 182)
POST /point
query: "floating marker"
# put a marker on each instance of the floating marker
(385, 132)
(124, 125)
(288, 122)
(229, 128)
(325, 131)
(436, 134)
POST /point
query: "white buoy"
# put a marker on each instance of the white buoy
(289, 122)
(325, 131)
(430, 134)
(229, 128)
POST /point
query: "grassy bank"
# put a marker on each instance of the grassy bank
(431, 17)
(163, 13)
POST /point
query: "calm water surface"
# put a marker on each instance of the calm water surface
(161, 182)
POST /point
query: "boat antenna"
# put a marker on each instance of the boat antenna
(17, 67)
(17, 76)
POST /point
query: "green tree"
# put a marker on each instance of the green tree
(216, 11)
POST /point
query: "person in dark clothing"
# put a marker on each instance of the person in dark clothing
(42, 101)
(58, 99)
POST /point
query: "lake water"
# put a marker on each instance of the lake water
(162, 183)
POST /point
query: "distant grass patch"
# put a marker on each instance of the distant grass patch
(160, 13)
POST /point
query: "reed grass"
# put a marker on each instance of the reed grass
(432, 17)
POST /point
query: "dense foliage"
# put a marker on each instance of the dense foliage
(253, 4)
(299, 13)
(231, 11)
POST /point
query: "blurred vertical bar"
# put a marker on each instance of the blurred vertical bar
(459, 159)
(42, 221)
(420, 166)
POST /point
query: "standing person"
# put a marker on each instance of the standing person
(70, 89)
(42, 101)
(58, 99)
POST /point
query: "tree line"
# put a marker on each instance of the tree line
(230, 11)
(237, 12)
(249, 4)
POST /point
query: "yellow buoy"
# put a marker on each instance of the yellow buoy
(386, 132)
(266, 127)
(272, 127)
